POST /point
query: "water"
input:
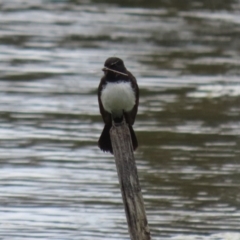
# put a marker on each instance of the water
(54, 181)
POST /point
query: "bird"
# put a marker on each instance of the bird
(118, 99)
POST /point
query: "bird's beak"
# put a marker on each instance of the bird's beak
(105, 71)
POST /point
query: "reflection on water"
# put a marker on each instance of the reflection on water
(54, 181)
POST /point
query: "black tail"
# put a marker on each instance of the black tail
(104, 141)
(133, 137)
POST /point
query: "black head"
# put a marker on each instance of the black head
(115, 64)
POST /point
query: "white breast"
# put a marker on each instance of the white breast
(117, 97)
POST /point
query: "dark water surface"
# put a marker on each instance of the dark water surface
(54, 181)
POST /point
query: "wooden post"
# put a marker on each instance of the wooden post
(129, 183)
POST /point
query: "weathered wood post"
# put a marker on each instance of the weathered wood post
(129, 182)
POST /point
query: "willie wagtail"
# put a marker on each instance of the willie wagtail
(118, 97)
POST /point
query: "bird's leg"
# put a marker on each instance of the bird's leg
(119, 120)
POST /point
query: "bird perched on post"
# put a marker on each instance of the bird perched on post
(118, 97)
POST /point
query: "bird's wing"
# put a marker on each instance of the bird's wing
(133, 113)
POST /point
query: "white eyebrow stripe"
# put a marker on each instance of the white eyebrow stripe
(109, 69)
(114, 62)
